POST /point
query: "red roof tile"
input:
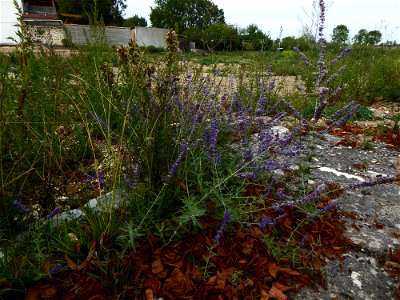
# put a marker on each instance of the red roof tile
(40, 16)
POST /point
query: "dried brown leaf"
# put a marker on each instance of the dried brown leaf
(264, 295)
(277, 294)
(157, 267)
(289, 271)
(212, 281)
(70, 263)
(273, 269)
(248, 246)
(149, 294)
(221, 280)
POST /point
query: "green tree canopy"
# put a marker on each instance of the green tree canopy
(109, 11)
(288, 42)
(340, 34)
(135, 21)
(361, 37)
(256, 37)
(181, 15)
(220, 35)
(364, 37)
(374, 37)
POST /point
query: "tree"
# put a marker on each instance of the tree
(220, 35)
(135, 21)
(374, 37)
(258, 39)
(109, 11)
(364, 37)
(306, 42)
(288, 43)
(181, 15)
(340, 34)
(361, 37)
(195, 35)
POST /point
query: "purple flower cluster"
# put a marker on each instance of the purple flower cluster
(342, 110)
(21, 207)
(288, 105)
(270, 165)
(372, 182)
(220, 231)
(312, 196)
(247, 155)
(268, 221)
(56, 269)
(54, 212)
(262, 103)
(247, 175)
(323, 210)
(100, 121)
(94, 175)
(302, 56)
(294, 133)
(335, 75)
(178, 162)
(282, 196)
(211, 138)
(341, 56)
(352, 110)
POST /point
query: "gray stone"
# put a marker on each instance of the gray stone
(375, 228)
(357, 277)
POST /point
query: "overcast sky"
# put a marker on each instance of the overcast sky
(271, 15)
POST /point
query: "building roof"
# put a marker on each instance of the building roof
(37, 16)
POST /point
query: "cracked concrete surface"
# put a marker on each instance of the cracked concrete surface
(373, 227)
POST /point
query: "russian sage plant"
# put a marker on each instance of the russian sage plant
(323, 80)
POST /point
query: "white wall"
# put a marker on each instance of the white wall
(83, 35)
(147, 36)
(8, 20)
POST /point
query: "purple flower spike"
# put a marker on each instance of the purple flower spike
(266, 221)
(302, 56)
(54, 212)
(329, 207)
(56, 269)
(211, 137)
(341, 56)
(247, 155)
(21, 207)
(344, 118)
(247, 175)
(178, 162)
(372, 182)
(100, 121)
(324, 210)
(227, 216)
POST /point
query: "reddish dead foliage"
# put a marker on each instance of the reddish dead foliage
(350, 134)
(240, 267)
(392, 266)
